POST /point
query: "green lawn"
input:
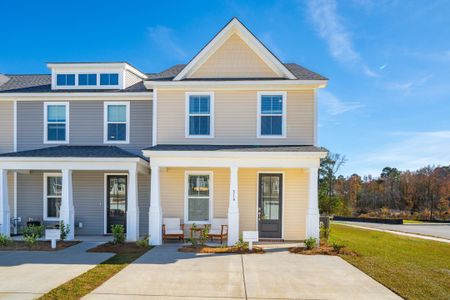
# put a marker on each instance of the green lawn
(412, 222)
(413, 268)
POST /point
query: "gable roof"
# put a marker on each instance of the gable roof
(235, 27)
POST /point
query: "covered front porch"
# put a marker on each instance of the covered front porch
(89, 192)
(271, 190)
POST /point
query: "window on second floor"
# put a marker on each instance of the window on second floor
(200, 115)
(56, 120)
(271, 115)
(65, 79)
(109, 79)
(87, 79)
(117, 122)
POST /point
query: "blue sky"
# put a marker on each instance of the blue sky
(388, 99)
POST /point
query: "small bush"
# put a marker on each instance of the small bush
(4, 240)
(36, 231)
(143, 242)
(310, 243)
(31, 240)
(337, 246)
(118, 233)
(65, 230)
(241, 244)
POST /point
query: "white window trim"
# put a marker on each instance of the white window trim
(46, 175)
(211, 115)
(186, 195)
(66, 104)
(97, 72)
(97, 77)
(283, 94)
(105, 122)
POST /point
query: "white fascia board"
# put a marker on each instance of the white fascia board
(77, 96)
(95, 67)
(230, 83)
(232, 154)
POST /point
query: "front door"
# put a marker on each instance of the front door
(116, 201)
(270, 205)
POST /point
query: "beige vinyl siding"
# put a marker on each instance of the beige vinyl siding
(6, 126)
(235, 118)
(234, 59)
(172, 191)
(295, 197)
(131, 79)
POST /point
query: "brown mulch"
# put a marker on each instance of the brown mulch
(208, 249)
(39, 246)
(118, 248)
(323, 249)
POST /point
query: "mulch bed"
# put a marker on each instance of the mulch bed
(323, 249)
(208, 249)
(118, 248)
(39, 246)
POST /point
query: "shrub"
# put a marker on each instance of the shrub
(201, 239)
(241, 244)
(337, 246)
(310, 243)
(36, 231)
(4, 240)
(143, 242)
(118, 233)
(65, 230)
(30, 240)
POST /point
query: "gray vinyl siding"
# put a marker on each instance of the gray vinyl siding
(86, 125)
(6, 126)
(89, 201)
(144, 202)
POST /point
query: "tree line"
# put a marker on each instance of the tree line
(419, 194)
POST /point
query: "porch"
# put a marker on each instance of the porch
(197, 184)
(89, 192)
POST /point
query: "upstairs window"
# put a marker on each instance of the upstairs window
(271, 114)
(109, 79)
(65, 79)
(87, 79)
(117, 120)
(52, 196)
(200, 109)
(56, 116)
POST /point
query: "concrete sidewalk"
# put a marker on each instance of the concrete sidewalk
(164, 273)
(29, 274)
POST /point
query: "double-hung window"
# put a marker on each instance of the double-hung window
(65, 79)
(271, 114)
(200, 115)
(117, 122)
(56, 120)
(52, 196)
(87, 79)
(198, 197)
(109, 79)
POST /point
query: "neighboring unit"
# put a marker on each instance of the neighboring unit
(232, 135)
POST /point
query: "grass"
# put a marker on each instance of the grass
(88, 281)
(412, 222)
(413, 268)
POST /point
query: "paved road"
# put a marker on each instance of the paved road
(437, 230)
(29, 274)
(164, 273)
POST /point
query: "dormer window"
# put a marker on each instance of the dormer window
(87, 79)
(65, 79)
(109, 79)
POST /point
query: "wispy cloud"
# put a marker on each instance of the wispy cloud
(333, 106)
(164, 38)
(382, 67)
(409, 151)
(330, 27)
(436, 56)
(407, 86)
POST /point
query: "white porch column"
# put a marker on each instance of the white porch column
(67, 210)
(233, 208)
(312, 218)
(4, 205)
(132, 206)
(155, 213)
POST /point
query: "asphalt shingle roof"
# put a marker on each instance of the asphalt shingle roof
(75, 151)
(237, 148)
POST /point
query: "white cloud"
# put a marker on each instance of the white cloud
(407, 86)
(334, 106)
(382, 67)
(163, 37)
(331, 28)
(409, 151)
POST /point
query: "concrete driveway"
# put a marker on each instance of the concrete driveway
(29, 274)
(164, 273)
